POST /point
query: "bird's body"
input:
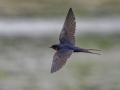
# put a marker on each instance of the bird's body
(64, 46)
(67, 46)
(67, 43)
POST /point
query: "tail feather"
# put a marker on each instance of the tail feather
(94, 49)
(88, 51)
(93, 53)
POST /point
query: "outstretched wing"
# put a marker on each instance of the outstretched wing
(68, 30)
(60, 59)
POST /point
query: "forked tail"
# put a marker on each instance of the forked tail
(89, 51)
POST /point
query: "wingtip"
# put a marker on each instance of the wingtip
(52, 71)
(70, 8)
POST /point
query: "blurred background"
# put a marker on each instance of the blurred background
(29, 27)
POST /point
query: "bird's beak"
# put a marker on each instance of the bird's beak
(50, 47)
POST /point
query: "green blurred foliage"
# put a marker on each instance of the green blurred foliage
(4, 74)
(56, 8)
(25, 63)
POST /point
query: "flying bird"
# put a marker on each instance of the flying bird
(67, 43)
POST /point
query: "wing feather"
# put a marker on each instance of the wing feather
(60, 59)
(68, 30)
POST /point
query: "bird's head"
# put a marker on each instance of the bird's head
(54, 47)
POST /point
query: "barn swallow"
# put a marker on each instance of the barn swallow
(67, 43)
